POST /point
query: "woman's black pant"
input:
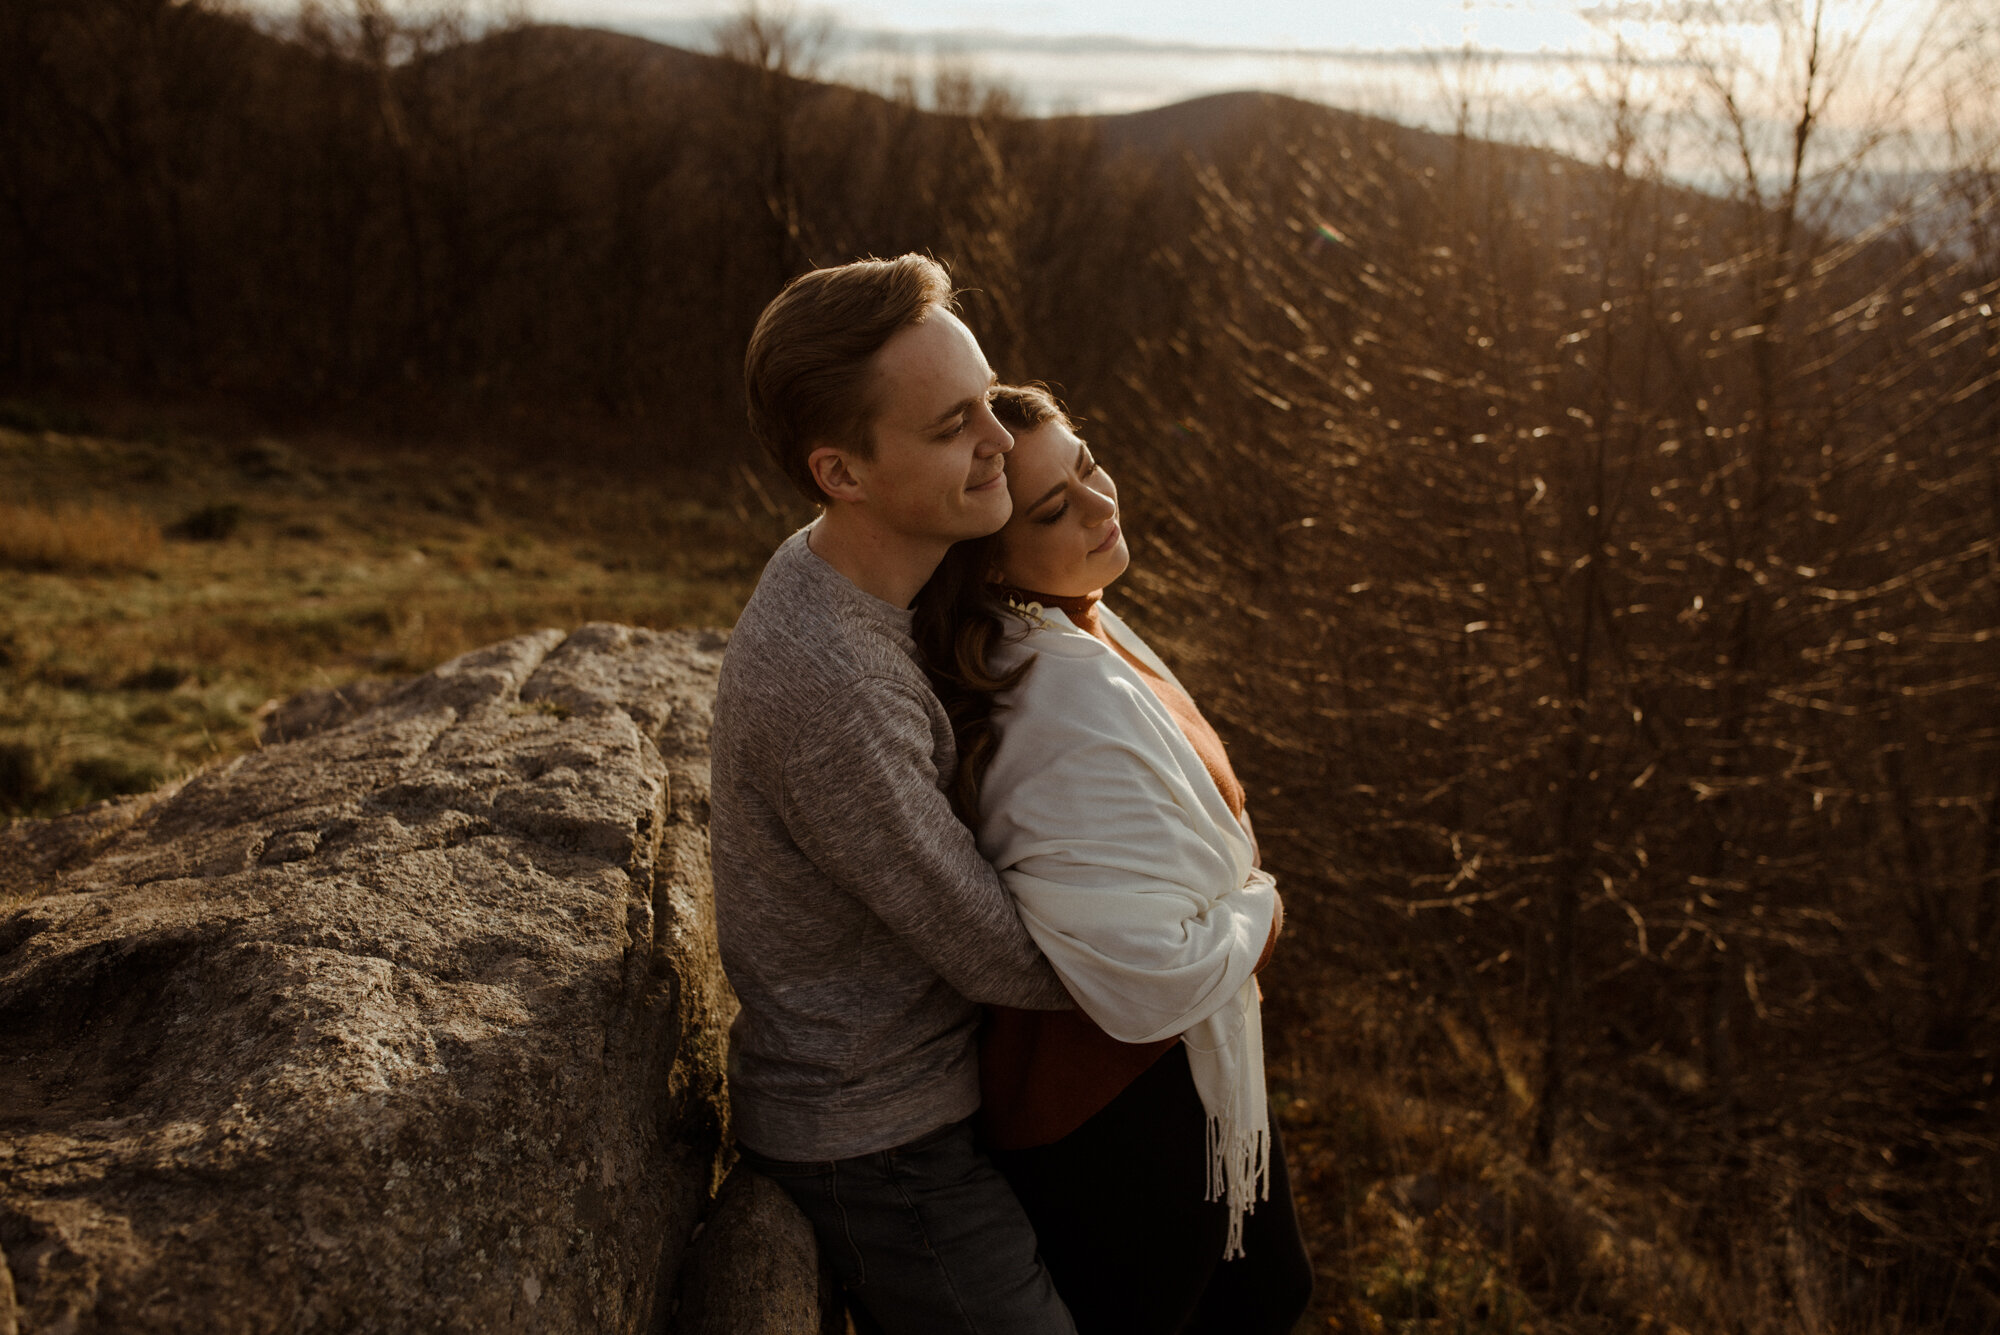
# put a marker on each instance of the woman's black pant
(1133, 1247)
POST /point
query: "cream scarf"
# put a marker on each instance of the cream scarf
(1134, 877)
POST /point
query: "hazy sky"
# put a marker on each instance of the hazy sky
(1123, 55)
(1366, 25)
(1372, 55)
(1540, 70)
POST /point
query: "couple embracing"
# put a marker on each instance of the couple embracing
(985, 883)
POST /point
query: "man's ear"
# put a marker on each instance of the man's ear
(829, 465)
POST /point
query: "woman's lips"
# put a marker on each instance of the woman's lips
(1108, 542)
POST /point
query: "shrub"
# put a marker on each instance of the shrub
(211, 523)
(22, 776)
(157, 677)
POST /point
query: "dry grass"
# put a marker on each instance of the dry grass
(1406, 1135)
(334, 564)
(77, 538)
(1422, 1215)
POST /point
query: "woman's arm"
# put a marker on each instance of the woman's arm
(1128, 868)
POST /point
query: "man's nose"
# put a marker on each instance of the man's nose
(994, 438)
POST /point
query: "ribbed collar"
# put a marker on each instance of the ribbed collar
(839, 590)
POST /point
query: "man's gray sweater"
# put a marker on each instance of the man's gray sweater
(858, 923)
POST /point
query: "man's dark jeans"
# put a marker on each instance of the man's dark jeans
(927, 1238)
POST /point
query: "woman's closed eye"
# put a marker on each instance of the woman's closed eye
(1089, 467)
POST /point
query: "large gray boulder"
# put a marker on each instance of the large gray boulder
(411, 1020)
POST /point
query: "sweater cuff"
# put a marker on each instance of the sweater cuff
(1277, 925)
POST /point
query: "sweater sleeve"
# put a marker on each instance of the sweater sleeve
(1128, 867)
(1277, 928)
(862, 799)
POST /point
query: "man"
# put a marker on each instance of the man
(859, 925)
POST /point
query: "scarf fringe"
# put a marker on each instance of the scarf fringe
(1239, 1174)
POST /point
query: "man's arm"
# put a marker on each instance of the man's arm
(861, 798)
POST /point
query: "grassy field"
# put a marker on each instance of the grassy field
(156, 593)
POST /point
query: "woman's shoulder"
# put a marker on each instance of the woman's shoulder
(1075, 675)
(1039, 633)
(1135, 645)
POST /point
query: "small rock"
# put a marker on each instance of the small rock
(754, 1266)
(291, 846)
(316, 711)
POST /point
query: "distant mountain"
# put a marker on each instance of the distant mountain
(1199, 123)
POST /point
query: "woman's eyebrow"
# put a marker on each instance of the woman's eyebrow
(1046, 497)
(1082, 457)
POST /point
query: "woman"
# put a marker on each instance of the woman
(1134, 1130)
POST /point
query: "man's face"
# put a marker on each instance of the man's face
(937, 472)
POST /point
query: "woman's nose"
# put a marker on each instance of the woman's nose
(1098, 506)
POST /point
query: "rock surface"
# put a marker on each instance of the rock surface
(411, 1020)
(755, 1267)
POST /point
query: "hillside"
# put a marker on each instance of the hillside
(527, 223)
(1593, 579)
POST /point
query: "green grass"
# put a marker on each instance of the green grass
(246, 571)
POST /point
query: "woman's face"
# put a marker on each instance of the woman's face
(1064, 538)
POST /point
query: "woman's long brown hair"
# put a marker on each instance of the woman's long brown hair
(960, 617)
